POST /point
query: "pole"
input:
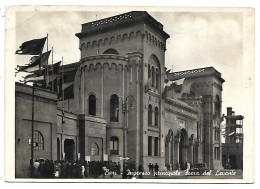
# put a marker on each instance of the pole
(124, 168)
(62, 81)
(48, 77)
(32, 137)
(52, 84)
(62, 78)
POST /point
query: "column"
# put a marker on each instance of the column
(191, 150)
(177, 145)
(172, 153)
(102, 91)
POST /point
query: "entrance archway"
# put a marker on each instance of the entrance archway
(183, 148)
(69, 146)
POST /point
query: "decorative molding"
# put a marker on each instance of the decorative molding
(110, 40)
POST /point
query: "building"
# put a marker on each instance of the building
(121, 104)
(232, 149)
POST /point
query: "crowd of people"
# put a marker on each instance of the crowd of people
(44, 168)
(76, 169)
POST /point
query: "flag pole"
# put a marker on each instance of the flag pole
(48, 77)
(32, 137)
(62, 81)
(62, 77)
(172, 84)
(52, 85)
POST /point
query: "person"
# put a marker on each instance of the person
(104, 170)
(118, 168)
(36, 168)
(82, 168)
(51, 169)
(156, 169)
(57, 173)
(124, 175)
(140, 170)
(87, 170)
(152, 167)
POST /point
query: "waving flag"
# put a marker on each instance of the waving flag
(36, 62)
(32, 47)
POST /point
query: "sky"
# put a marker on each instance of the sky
(198, 39)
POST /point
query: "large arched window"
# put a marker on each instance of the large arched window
(111, 51)
(150, 114)
(114, 144)
(157, 80)
(94, 150)
(156, 116)
(92, 105)
(114, 108)
(38, 142)
(155, 71)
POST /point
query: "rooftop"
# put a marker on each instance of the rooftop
(121, 20)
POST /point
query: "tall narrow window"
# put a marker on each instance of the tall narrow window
(149, 145)
(157, 79)
(92, 105)
(149, 71)
(114, 145)
(156, 116)
(114, 108)
(153, 76)
(38, 142)
(150, 114)
(156, 146)
(217, 134)
(217, 153)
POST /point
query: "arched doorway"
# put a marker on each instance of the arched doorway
(183, 148)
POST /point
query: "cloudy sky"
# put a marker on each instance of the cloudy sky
(198, 39)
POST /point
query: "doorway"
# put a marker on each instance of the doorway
(69, 146)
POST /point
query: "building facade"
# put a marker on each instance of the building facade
(123, 106)
(232, 148)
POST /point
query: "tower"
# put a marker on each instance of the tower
(202, 88)
(120, 78)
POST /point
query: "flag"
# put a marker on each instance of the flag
(44, 59)
(35, 76)
(69, 76)
(36, 73)
(32, 47)
(33, 79)
(36, 62)
(68, 93)
(32, 66)
(55, 67)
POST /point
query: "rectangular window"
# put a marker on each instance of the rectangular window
(114, 145)
(156, 146)
(239, 122)
(217, 153)
(149, 145)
